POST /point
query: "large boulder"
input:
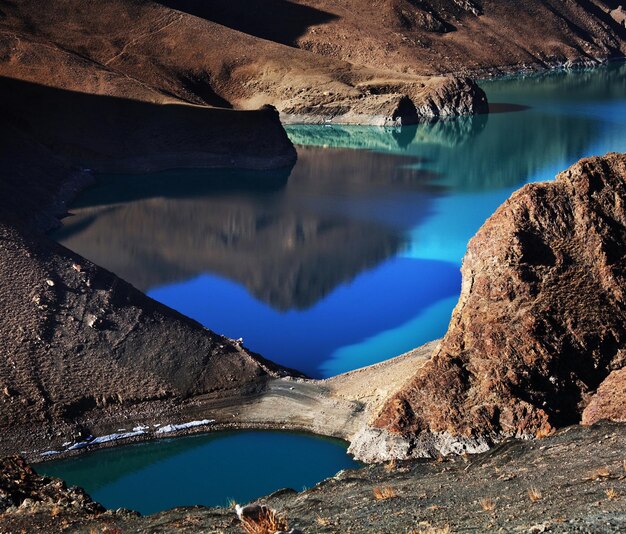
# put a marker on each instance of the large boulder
(540, 324)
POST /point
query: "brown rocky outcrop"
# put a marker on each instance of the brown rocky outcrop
(538, 328)
(609, 402)
(20, 486)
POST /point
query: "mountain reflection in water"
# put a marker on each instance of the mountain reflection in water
(354, 257)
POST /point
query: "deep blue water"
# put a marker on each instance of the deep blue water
(210, 469)
(352, 257)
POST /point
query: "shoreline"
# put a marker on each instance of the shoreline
(318, 407)
(487, 74)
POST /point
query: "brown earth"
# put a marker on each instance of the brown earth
(144, 50)
(538, 328)
(573, 481)
(430, 37)
(76, 339)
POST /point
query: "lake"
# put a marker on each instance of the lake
(212, 469)
(350, 258)
(353, 256)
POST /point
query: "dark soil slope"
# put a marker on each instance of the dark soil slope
(76, 340)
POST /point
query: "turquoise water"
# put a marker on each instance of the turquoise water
(209, 470)
(353, 256)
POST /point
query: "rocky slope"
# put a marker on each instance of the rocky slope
(358, 62)
(443, 36)
(78, 341)
(148, 51)
(571, 482)
(538, 333)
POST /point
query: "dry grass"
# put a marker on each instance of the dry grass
(431, 530)
(534, 494)
(611, 494)
(55, 510)
(383, 493)
(599, 474)
(488, 504)
(267, 522)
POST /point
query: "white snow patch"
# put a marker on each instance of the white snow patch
(174, 428)
(79, 445)
(106, 439)
(114, 437)
(50, 453)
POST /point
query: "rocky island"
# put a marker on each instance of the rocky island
(529, 376)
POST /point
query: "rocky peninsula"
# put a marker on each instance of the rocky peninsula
(314, 61)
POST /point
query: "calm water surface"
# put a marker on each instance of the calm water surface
(209, 470)
(350, 258)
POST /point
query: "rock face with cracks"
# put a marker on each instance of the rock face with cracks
(539, 331)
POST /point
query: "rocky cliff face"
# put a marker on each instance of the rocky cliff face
(538, 334)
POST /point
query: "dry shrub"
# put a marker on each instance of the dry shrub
(322, 521)
(534, 494)
(267, 522)
(488, 504)
(611, 494)
(383, 493)
(392, 465)
(544, 432)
